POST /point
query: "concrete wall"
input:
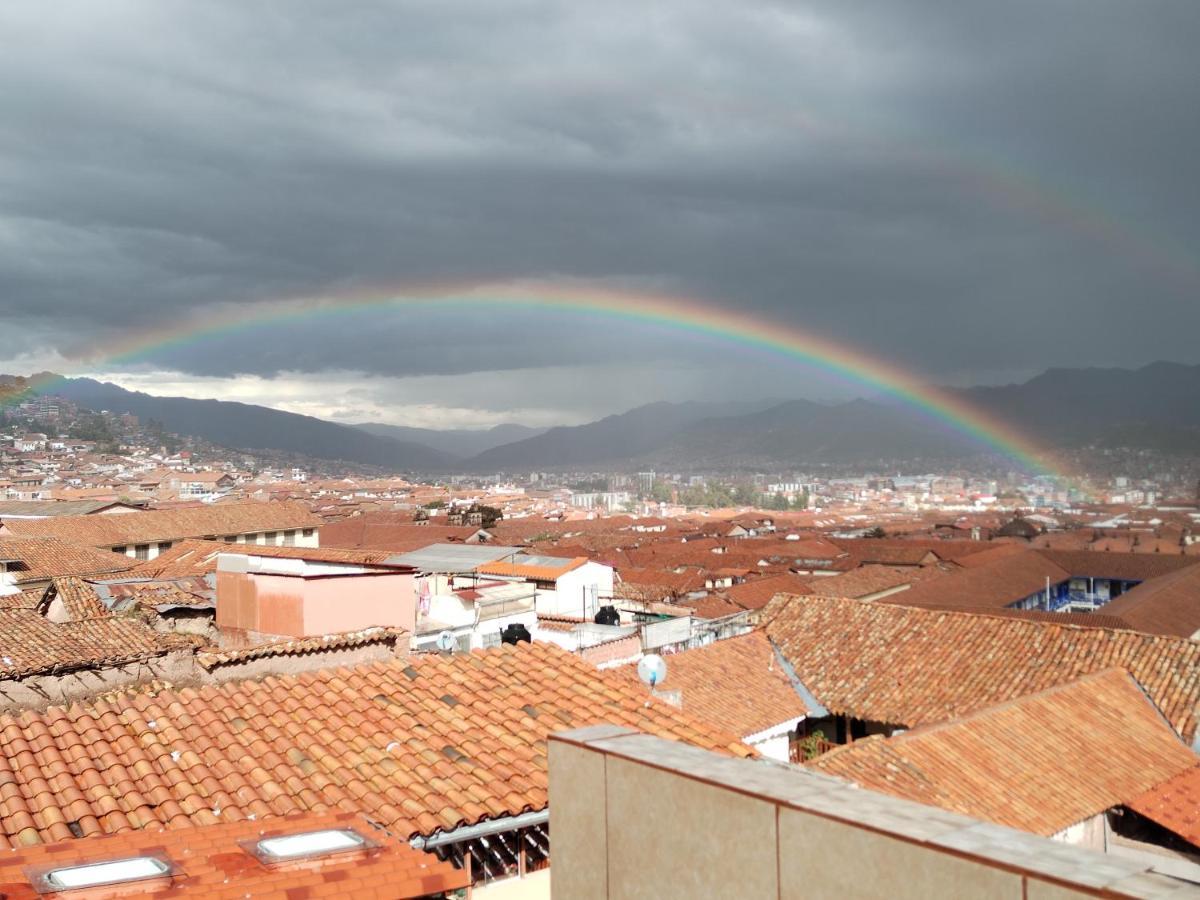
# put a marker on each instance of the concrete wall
(302, 607)
(632, 816)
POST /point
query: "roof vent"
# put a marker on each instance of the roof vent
(514, 633)
(306, 845)
(109, 872)
(608, 615)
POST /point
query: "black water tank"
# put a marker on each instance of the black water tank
(608, 615)
(514, 633)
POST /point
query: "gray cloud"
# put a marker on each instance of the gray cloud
(974, 190)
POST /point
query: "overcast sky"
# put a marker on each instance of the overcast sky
(972, 190)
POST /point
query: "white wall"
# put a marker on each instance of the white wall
(576, 591)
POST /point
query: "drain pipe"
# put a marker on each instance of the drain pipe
(483, 829)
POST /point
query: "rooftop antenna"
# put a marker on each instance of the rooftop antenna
(445, 642)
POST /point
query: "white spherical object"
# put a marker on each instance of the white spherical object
(652, 669)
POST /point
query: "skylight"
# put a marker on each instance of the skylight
(115, 871)
(309, 844)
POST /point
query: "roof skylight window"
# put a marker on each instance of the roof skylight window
(307, 845)
(113, 871)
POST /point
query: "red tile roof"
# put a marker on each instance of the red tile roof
(168, 524)
(908, 666)
(44, 558)
(869, 580)
(212, 659)
(519, 569)
(758, 592)
(212, 864)
(1001, 582)
(420, 745)
(1039, 763)
(194, 557)
(1169, 604)
(1174, 804)
(737, 684)
(29, 644)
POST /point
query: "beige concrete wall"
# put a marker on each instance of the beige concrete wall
(636, 817)
(534, 886)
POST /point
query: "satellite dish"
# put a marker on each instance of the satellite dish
(445, 641)
(652, 669)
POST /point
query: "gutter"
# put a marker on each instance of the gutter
(483, 829)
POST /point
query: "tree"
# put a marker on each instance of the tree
(489, 515)
(745, 495)
(876, 532)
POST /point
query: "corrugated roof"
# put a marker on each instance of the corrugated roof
(453, 558)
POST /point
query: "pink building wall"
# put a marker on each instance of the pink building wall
(296, 606)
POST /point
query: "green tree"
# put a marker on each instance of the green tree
(745, 495)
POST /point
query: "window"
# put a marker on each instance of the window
(120, 550)
(309, 532)
(141, 551)
(231, 538)
(289, 538)
(164, 545)
(269, 537)
(115, 871)
(306, 845)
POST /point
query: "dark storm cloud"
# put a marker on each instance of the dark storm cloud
(969, 188)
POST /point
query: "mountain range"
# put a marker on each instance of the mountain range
(1156, 407)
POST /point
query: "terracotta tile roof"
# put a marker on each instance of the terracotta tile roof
(1123, 566)
(194, 557)
(420, 745)
(954, 550)
(80, 600)
(44, 558)
(1039, 763)
(27, 599)
(168, 524)
(644, 584)
(366, 533)
(536, 571)
(29, 644)
(1001, 582)
(212, 864)
(711, 606)
(906, 666)
(1169, 604)
(759, 592)
(1174, 804)
(737, 684)
(1085, 619)
(866, 581)
(193, 590)
(211, 659)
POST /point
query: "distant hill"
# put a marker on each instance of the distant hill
(461, 442)
(1156, 407)
(613, 438)
(246, 427)
(1153, 406)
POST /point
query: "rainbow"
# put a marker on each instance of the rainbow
(679, 314)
